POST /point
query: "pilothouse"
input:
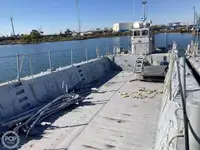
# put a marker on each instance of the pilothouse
(142, 39)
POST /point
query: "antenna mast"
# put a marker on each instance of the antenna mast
(78, 12)
(194, 15)
(144, 2)
(13, 30)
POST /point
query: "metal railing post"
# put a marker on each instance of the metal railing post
(30, 65)
(97, 52)
(71, 51)
(50, 62)
(86, 54)
(107, 51)
(128, 42)
(105, 54)
(18, 67)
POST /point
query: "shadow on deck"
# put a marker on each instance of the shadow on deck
(37, 132)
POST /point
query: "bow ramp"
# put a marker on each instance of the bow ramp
(122, 115)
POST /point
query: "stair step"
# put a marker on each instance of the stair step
(139, 65)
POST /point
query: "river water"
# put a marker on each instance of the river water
(61, 52)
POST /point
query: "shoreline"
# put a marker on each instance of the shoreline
(58, 38)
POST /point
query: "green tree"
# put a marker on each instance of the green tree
(26, 38)
(35, 35)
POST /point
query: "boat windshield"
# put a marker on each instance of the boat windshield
(145, 32)
(137, 33)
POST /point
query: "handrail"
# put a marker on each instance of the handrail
(167, 88)
(30, 64)
(171, 66)
(7, 56)
(71, 54)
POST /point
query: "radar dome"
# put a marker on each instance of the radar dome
(138, 25)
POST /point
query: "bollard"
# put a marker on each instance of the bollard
(193, 115)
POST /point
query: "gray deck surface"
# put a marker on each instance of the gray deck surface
(107, 121)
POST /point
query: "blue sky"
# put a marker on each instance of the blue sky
(56, 15)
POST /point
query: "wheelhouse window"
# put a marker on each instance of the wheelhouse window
(145, 32)
(137, 33)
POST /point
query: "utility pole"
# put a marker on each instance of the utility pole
(13, 29)
(144, 2)
(78, 12)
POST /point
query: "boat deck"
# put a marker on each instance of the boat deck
(121, 116)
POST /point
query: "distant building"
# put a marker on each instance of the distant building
(106, 29)
(74, 34)
(121, 27)
(87, 33)
(98, 29)
(174, 24)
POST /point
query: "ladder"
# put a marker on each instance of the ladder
(139, 64)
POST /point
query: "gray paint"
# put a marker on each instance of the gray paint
(47, 86)
(112, 122)
(171, 119)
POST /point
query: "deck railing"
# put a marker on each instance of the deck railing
(21, 65)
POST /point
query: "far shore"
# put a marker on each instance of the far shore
(60, 38)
